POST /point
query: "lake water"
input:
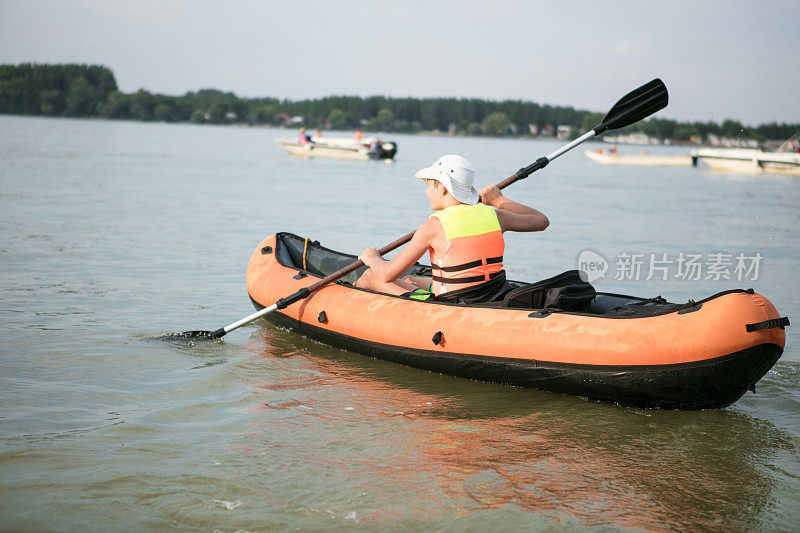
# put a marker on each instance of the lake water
(112, 233)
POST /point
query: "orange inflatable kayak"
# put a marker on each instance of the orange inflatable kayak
(642, 352)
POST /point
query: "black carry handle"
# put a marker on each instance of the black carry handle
(769, 324)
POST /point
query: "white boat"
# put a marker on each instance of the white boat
(341, 148)
(611, 158)
(749, 161)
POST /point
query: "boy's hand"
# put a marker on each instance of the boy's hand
(369, 256)
(490, 195)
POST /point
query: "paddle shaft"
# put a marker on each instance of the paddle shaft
(305, 292)
(632, 107)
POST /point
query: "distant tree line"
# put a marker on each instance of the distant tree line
(91, 91)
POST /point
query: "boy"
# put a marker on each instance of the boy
(464, 238)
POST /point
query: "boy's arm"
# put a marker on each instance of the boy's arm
(394, 268)
(513, 216)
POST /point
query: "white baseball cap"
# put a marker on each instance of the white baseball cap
(456, 174)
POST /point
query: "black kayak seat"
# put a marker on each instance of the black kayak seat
(566, 291)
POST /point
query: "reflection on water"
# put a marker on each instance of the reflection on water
(434, 445)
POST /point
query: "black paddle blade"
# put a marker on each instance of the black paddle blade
(635, 106)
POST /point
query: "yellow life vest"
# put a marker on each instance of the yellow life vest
(474, 251)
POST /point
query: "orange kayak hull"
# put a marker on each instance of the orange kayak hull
(699, 357)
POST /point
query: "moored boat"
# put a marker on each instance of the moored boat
(750, 161)
(341, 148)
(609, 158)
(642, 352)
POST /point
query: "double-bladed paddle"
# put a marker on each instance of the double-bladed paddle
(631, 108)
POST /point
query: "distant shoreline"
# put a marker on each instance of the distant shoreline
(291, 131)
(90, 91)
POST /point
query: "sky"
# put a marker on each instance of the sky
(720, 59)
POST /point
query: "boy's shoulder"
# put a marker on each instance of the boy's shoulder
(430, 228)
(431, 224)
